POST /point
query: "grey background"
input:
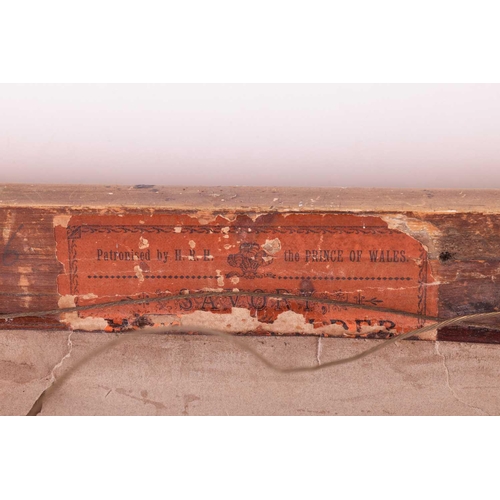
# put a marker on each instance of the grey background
(393, 135)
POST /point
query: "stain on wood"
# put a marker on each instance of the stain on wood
(483, 335)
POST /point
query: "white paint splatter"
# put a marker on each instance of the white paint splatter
(138, 273)
(272, 246)
(220, 277)
(143, 243)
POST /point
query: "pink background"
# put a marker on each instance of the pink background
(394, 135)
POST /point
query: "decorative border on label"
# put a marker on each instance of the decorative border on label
(74, 233)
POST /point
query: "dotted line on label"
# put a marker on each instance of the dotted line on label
(152, 276)
(331, 278)
(337, 278)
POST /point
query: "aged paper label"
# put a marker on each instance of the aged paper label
(348, 258)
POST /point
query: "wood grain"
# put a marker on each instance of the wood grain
(459, 229)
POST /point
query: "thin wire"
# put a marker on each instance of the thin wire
(37, 406)
(170, 298)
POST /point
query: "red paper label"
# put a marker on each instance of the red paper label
(352, 259)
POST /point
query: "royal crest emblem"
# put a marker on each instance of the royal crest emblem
(250, 258)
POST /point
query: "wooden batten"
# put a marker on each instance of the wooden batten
(339, 262)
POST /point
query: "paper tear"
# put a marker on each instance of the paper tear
(61, 220)
(72, 319)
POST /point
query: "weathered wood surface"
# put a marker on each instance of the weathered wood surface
(460, 231)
